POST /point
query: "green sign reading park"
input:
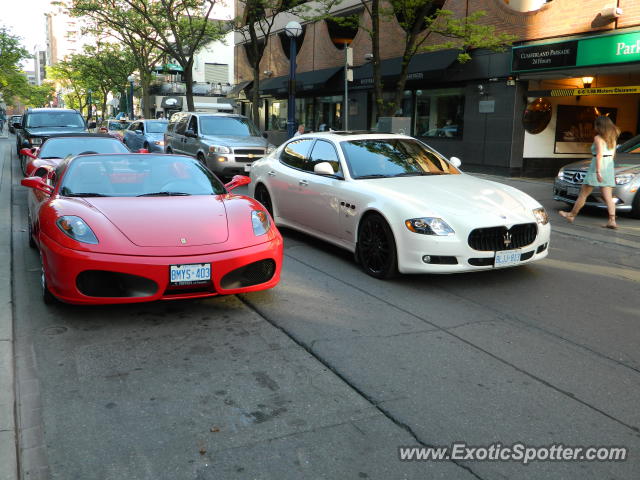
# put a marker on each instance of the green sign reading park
(585, 52)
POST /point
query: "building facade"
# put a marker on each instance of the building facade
(524, 111)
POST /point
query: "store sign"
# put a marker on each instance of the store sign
(602, 50)
(575, 92)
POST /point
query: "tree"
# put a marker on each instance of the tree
(13, 82)
(69, 75)
(115, 19)
(38, 95)
(427, 28)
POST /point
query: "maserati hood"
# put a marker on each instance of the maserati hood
(462, 197)
(167, 221)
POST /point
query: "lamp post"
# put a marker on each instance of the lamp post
(89, 101)
(131, 78)
(293, 31)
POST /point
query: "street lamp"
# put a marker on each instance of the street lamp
(293, 31)
(131, 78)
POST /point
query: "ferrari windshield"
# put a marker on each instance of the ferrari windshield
(60, 147)
(393, 157)
(137, 175)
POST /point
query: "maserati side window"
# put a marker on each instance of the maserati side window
(296, 154)
(325, 152)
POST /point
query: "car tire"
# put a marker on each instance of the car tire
(23, 164)
(145, 145)
(262, 195)
(201, 159)
(47, 297)
(169, 151)
(635, 207)
(376, 248)
(32, 242)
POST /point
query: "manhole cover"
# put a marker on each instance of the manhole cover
(54, 330)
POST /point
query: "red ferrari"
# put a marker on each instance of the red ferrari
(125, 228)
(57, 147)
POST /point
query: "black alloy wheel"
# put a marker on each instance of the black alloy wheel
(635, 208)
(47, 296)
(376, 249)
(264, 198)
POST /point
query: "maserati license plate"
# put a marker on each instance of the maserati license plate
(506, 258)
(190, 274)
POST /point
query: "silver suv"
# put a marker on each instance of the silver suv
(226, 143)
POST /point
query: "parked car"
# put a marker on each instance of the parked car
(147, 134)
(125, 228)
(114, 127)
(626, 193)
(38, 124)
(59, 146)
(398, 204)
(226, 143)
(13, 119)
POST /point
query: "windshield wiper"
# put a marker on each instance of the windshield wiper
(374, 175)
(86, 194)
(412, 174)
(163, 194)
(46, 158)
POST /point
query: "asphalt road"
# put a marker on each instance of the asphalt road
(325, 376)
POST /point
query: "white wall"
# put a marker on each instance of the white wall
(215, 52)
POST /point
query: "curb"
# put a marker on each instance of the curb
(8, 450)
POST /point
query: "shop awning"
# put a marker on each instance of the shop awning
(304, 81)
(420, 65)
(237, 89)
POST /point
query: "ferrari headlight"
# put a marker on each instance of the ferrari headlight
(260, 222)
(36, 141)
(624, 179)
(429, 226)
(76, 228)
(219, 149)
(542, 217)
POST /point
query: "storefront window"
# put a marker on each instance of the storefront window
(439, 113)
(405, 109)
(277, 115)
(328, 114)
(304, 113)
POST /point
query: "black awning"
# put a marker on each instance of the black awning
(420, 65)
(235, 91)
(305, 81)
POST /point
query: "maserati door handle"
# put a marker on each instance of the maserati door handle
(271, 173)
(304, 183)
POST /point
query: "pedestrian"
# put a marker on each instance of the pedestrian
(601, 173)
(300, 130)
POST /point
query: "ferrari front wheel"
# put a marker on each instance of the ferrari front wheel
(376, 249)
(47, 296)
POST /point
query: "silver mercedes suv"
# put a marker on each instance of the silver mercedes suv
(226, 143)
(626, 193)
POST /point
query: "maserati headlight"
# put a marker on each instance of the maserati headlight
(270, 148)
(76, 228)
(219, 149)
(429, 226)
(541, 215)
(624, 179)
(260, 222)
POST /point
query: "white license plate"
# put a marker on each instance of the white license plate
(573, 191)
(247, 167)
(507, 258)
(190, 273)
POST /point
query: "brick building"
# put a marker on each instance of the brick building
(522, 111)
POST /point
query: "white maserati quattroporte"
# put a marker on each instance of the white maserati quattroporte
(399, 205)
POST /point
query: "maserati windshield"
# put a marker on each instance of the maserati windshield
(393, 157)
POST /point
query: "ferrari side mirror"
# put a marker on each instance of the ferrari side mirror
(237, 181)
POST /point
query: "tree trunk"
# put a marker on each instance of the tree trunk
(378, 101)
(188, 80)
(145, 84)
(255, 96)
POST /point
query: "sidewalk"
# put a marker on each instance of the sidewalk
(8, 457)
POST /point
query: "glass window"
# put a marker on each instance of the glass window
(439, 113)
(60, 147)
(328, 114)
(277, 115)
(304, 113)
(393, 158)
(296, 154)
(193, 124)
(325, 152)
(234, 126)
(54, 119)
(156, 127)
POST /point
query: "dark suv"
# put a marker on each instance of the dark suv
(40, 123)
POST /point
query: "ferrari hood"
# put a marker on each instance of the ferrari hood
(167, 221)
(459, 196)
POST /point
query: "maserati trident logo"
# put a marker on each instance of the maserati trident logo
(507, 239)
(183, 241)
